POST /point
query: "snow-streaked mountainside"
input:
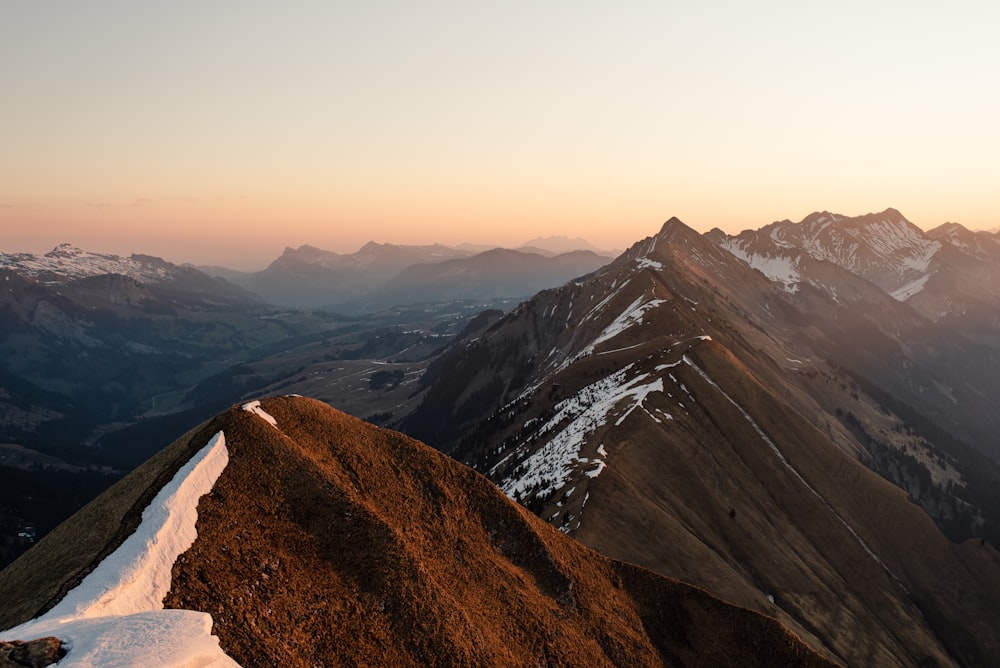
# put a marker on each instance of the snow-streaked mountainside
(883, 248)
(943, 272)
(66, 262)
(681, 410)
(980, 245)
(948, 274)
(323, 540)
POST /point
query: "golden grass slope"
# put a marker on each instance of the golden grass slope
(328, 541)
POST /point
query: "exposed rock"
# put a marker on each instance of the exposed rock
(32, 653)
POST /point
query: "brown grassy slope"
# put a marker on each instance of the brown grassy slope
(702, 498)
(42, 576)
(329, 541)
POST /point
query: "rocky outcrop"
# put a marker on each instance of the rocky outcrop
(32, 653)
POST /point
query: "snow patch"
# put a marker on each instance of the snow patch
(164, 638)
(778, 269)
(552, 466)
(254, 407)
(115, 617)
(630, 316)
(904, 292)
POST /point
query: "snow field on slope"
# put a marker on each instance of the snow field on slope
(778, 269)
(629, 317)
(115, 617)
(552, 466)
(913, 287)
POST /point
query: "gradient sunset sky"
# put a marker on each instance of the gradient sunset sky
(222, 131)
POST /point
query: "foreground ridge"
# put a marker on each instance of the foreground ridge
(328, 540)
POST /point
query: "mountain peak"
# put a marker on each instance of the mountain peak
(66, 250)
(675, 228)
(816, 218)
(946, 230)
(372, 246)
(307, 250)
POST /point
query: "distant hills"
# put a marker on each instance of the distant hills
(491, 274)
(380, 276)
(562, 244)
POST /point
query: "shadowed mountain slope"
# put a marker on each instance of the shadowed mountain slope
(679, 410)
(939, 354)
(328, 541)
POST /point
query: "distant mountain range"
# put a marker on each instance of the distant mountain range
(798, 420)
(380, 276)
(104, 359)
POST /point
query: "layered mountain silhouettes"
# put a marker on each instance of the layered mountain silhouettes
(796, 421)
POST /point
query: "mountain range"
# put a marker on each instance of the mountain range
(681, 410)
(796, 419)
(949, 275)
(380, 276)
(105, 359)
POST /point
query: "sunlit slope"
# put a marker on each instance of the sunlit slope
(327, 539)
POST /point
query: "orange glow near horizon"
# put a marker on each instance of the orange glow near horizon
(336, 126)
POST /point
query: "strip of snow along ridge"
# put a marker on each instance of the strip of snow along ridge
(115, 616)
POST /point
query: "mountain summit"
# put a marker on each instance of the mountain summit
(328, 541)
(681, 410)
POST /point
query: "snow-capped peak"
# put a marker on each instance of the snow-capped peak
(67, 262)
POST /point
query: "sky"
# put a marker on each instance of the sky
(220, 132)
